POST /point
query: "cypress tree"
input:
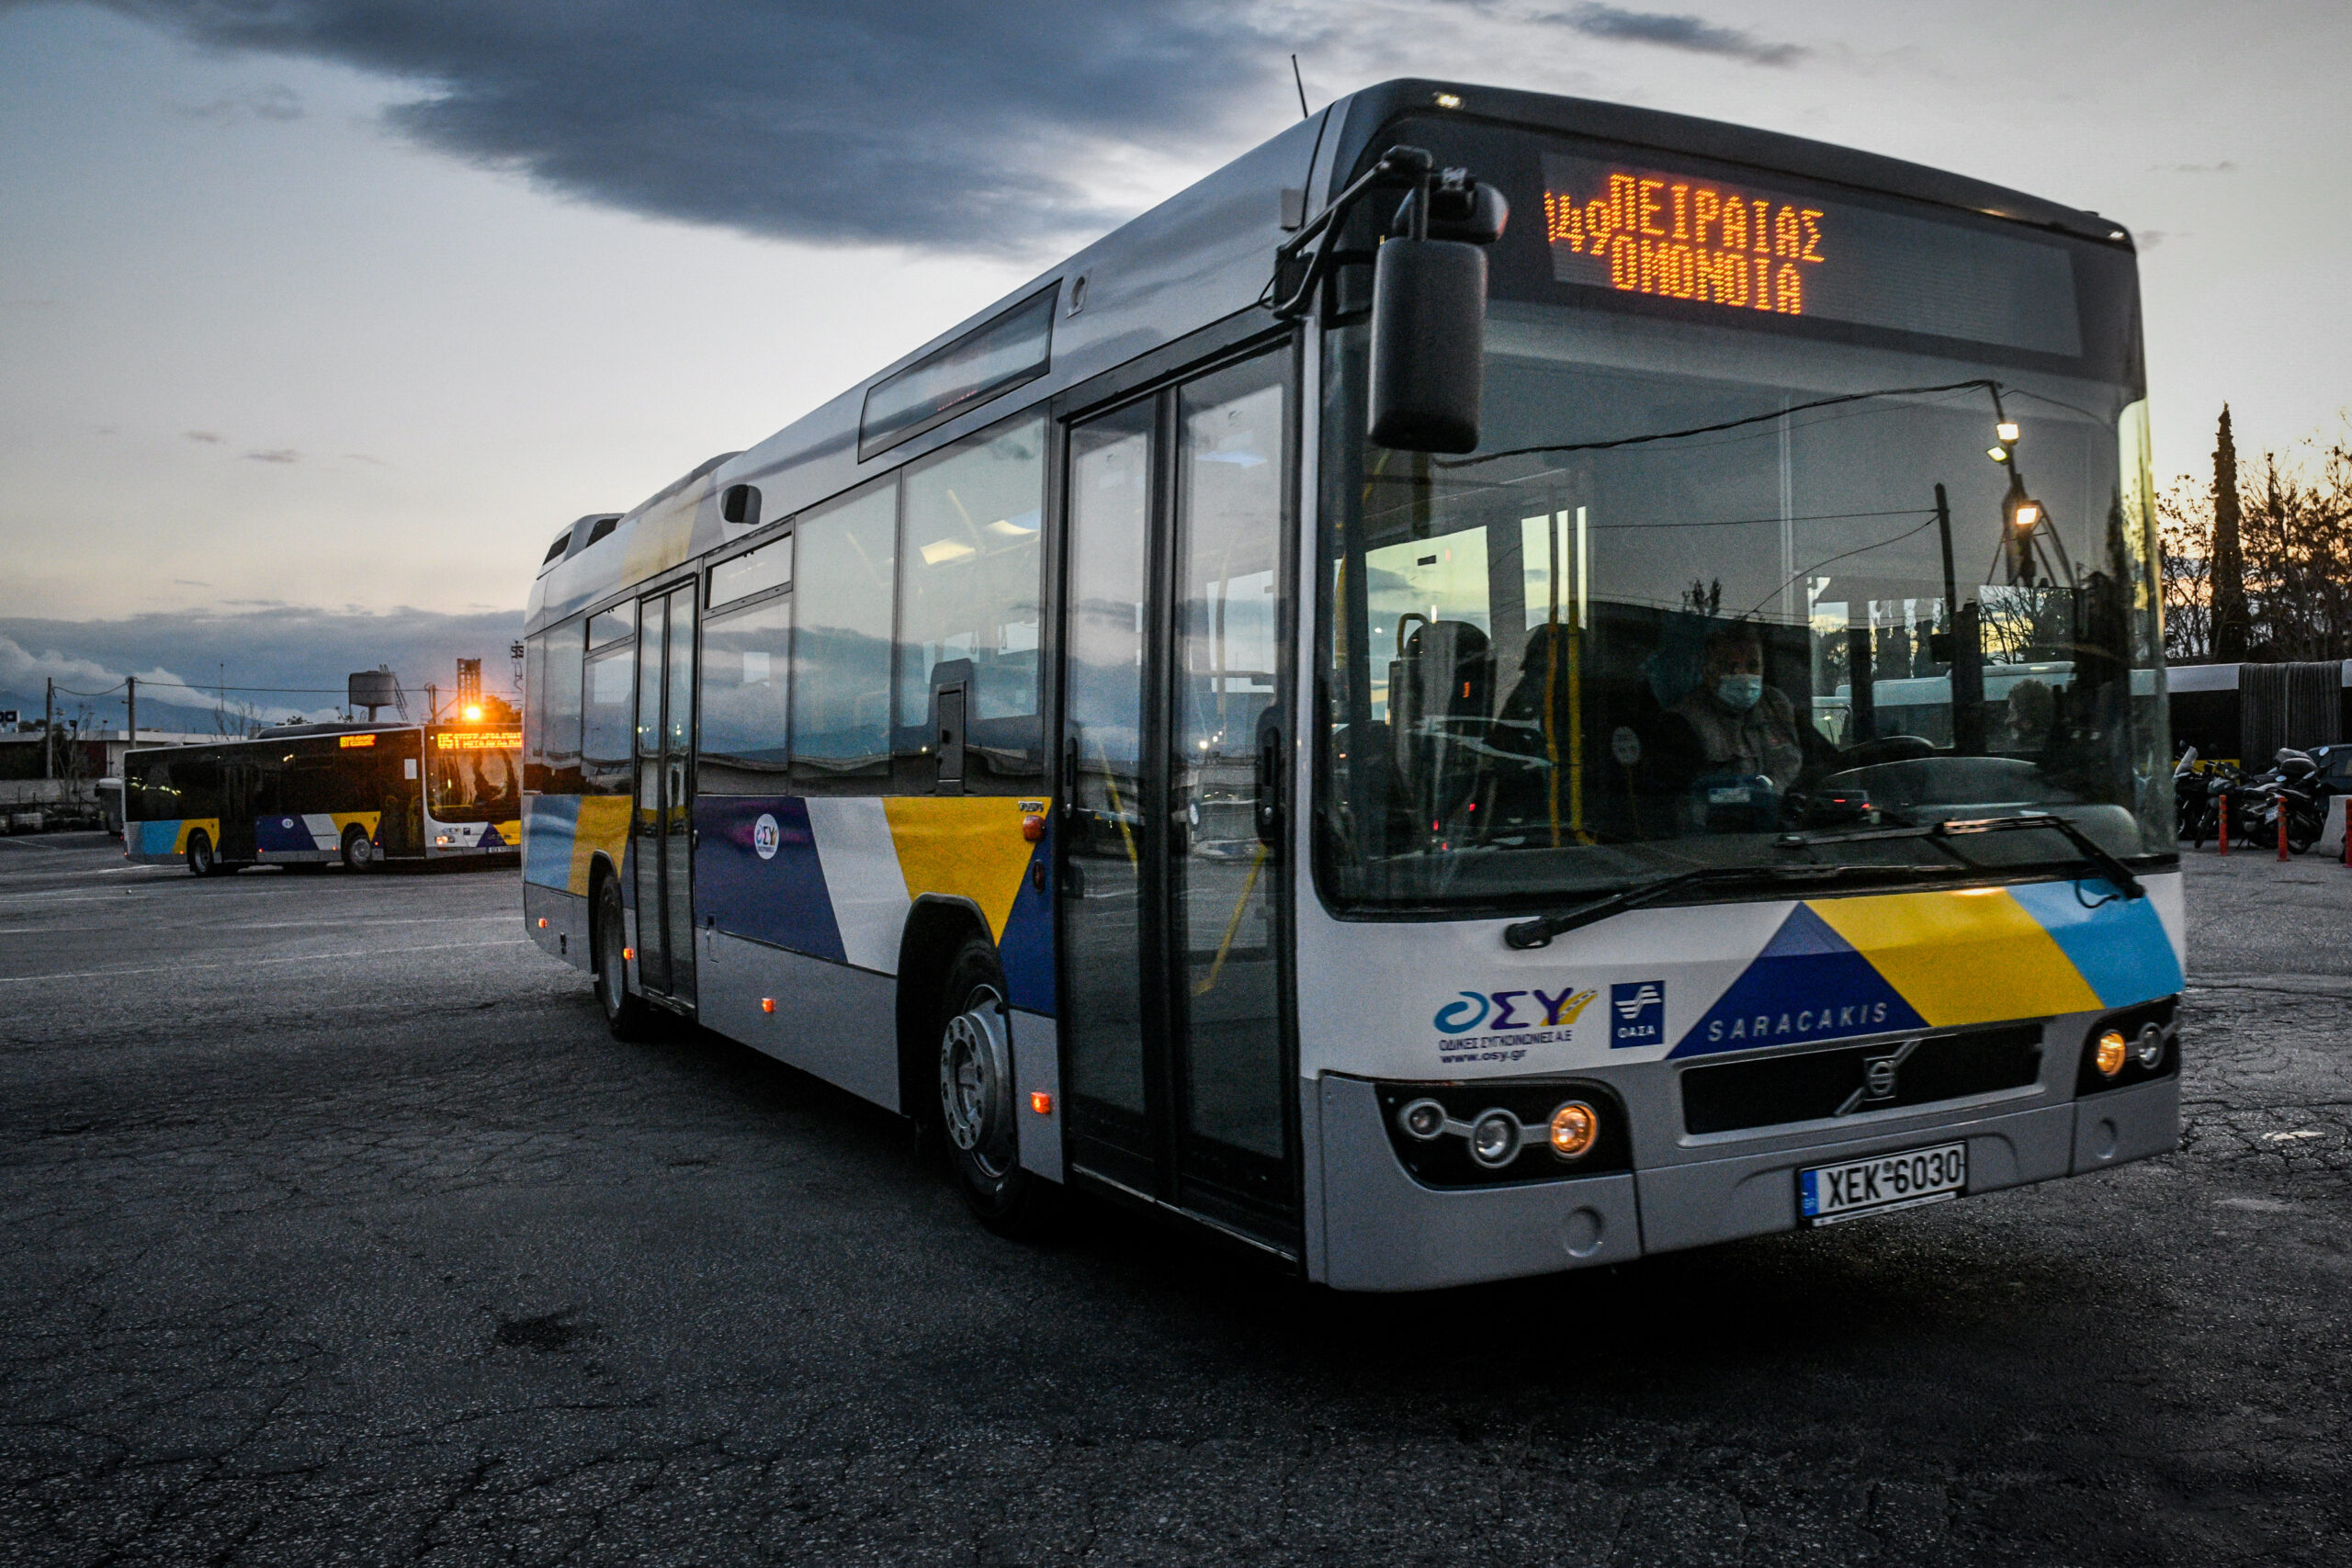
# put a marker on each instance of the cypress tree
(2232, 623)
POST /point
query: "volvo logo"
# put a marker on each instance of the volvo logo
(1879, 1080)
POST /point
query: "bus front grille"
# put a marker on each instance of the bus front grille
(1769, 1091)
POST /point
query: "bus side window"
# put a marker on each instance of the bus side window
(608, 709)
(746, 680)
(841, 719)
(969, 579)
(555, 768)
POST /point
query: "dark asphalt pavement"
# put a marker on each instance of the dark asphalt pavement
(334, 1228)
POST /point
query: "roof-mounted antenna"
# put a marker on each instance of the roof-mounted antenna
(1301, 80)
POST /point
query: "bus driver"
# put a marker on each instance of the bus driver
(1742, 726)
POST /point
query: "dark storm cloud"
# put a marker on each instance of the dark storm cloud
(267, 644)
(1676, 32)
(953, 124)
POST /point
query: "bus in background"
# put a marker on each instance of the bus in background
(1330, 714)
(306, 795)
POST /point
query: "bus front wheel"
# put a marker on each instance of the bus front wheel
(627, 1016)
(978, 1102)
(358, 849)
(202, 861)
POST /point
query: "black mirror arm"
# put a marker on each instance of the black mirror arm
(1409, 162)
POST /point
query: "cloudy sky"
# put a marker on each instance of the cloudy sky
(320, 316)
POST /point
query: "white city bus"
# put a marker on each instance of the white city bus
(1303, 719)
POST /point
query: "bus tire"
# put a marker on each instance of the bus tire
(630, 1018)
(202, 861)
(358, 850)
(978, 1103)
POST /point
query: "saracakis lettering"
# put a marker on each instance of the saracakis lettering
(1654, 234)
(1800, 1023)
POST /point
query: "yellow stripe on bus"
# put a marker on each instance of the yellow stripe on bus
(603, 827)
(211, 826)
(962, 847)
(1971, 955)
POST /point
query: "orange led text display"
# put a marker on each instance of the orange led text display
(1653, 234)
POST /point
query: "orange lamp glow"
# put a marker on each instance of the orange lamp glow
(473, 713)
(767, 1004)
(1576, 1127)
(543, 922)
(1041, 1102)
(2108, 1055)
(629, 954)
(1032, 827)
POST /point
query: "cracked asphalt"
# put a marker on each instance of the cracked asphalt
(334, 1228)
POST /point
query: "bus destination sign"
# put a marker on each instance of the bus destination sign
(1649, 233)
(478, 739)
(348, 742)
(1721, 245)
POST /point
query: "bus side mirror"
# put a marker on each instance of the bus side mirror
(1428, 326)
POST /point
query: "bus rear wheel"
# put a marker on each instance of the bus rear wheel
(628, 1017)
(358, 849)
(978, 1103)
(202, 861)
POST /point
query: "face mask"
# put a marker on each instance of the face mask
(1739, 693)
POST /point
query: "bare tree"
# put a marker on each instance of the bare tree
(2272, 559)
(2185, 540)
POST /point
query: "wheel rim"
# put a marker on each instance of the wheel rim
(974, 1083)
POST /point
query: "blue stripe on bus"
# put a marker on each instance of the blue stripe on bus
(781, 900)
(548, 821)
(2120, 944)
(283, 833)
(1026, 948)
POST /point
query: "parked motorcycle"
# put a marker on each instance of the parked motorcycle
(2291, 790)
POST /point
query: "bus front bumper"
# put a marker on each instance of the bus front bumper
(1384, 1231)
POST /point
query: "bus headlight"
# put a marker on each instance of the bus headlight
(1576, 1127)
(2150, 1048)
(1424, 1119)
(1494, 1139)
(2107, 1056)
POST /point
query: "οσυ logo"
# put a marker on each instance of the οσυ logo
(1504, 1009)
(765, 837)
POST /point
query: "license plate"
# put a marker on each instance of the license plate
(1828, 1193)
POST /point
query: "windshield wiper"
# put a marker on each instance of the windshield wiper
(2098, 854)
(1941, 834)
(1539, 932)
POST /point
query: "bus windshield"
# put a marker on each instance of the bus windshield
(1711, 596)
(471, 782)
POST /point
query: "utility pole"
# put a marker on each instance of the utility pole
(131, 703)
(48, 721)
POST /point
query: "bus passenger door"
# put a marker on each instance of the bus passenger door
(1177, 1075)
(662, 820)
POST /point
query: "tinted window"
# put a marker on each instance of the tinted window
(993, 358)
(554, 766)
(612, 624)
(842, 725)
(755, 572)
(746, 680)
(968, 588)
(609, 706)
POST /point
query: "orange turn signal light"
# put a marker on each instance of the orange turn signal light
(1032, 827)
(543, 922)
(1041, 1102)
(2108, 1055)
(1575, 1126)
(629, 954)
(767, 1004)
